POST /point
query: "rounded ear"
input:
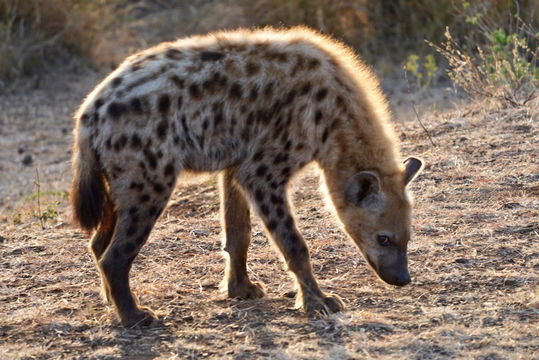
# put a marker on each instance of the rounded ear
(362, 188)
(413, 168)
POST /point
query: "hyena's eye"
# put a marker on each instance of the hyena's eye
(383, 240)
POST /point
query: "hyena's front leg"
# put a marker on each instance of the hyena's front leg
(237, 226)
(271, 202)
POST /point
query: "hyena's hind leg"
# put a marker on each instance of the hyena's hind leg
(137, 212)
(101, 241)
(237, 227)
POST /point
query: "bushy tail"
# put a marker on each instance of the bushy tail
(88, 190)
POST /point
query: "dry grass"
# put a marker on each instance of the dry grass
(474, 259)
(36, 32)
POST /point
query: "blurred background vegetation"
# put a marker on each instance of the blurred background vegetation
(494, 36)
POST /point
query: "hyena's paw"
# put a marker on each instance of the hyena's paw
(325, 304)
(142, 317)
(246, 290)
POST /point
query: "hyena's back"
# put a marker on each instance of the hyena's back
(208, 103)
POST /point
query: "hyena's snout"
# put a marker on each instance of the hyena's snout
(393, 270)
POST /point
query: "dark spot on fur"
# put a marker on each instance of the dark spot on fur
(313, 64)
(261, 170)
(265, 209)
(98, 103)
(325, 135)
(144, 198)
(169, 169)
(253, 94)
(115, 109)
(236, 91)
(136, 106)
(84, 119)
(280, 212)
(259, 195)
(277, 131)
(136, 186)
(339, 101)
(321, 94)
(289, 222)
(334, 125)
(286, 171)
(251, 68)
(136, 142)
(174, 54)
(180, 83)
(158, 188)
(258, 155)
(131, 230)
(272, 225)
(280, 158)
(298, 66)
(288, 145)
(275, 199)
(116, 82)
(163, 104)
(162, 128)
(144, 235)
(300, 147)
(194, 91)
(211, 56)
(305, 88)
(153, 211)
(120, 143)
(151, 157)
(268, 89)
(289, 98)
(317, 117)
(218, 119)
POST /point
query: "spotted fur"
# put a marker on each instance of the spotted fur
(256, 106)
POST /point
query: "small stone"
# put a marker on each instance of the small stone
(27, 160)
(290, 294)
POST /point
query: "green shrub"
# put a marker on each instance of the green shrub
(503, 68)
(424, 72)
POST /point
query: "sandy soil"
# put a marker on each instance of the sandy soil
(474, 258)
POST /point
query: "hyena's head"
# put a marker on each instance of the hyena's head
(376, 214)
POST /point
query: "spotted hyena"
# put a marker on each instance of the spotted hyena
(256, 106)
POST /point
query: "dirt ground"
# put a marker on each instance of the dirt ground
(474, 258)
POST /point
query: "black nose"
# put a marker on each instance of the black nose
(401, 280)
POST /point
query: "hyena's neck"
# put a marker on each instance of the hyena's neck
(363, 144)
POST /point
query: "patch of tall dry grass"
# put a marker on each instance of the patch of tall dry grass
(33, 32)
